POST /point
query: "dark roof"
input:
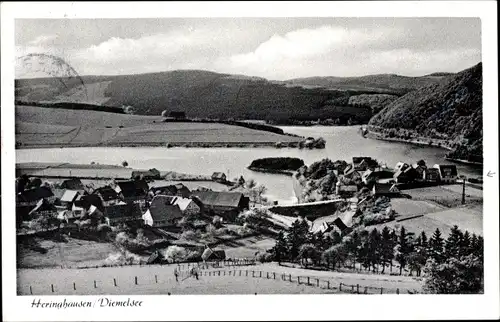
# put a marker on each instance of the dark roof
(133, 188)
(161, 209)
(340, 224)
(218, 175)
(107, 193)
(369, 161)
(89, 200)
(35, 194)
(73, 184)
(219, 198)
(123, 210)
(385, 188)
(172, 190)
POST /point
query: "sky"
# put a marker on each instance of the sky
(273, 48)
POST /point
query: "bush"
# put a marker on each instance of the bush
(175, 253)
(264, 257)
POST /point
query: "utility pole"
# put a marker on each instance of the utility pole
(463, 190)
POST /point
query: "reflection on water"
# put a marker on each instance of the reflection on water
(342, 143)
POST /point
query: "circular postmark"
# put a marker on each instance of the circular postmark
(51, 66)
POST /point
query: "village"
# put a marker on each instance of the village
(166, 212)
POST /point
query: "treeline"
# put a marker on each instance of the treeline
(284, 163)
(74, 106)
(454, 265)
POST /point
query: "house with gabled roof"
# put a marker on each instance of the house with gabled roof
(406, 175)
(364, 163)
(132, 190)
(447, 172)
(221, 201)
(431, 175)
(122, 212)
(73, 184)
(177, 189)
(69, 197)
(162, 213)
(186, 205)
(219, 177)
(32, 196)
(107, 194)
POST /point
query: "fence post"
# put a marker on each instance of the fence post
(381, 290)
(260, 274)
(340, 287)
(357, 288)
(240, 272)
(352, 288)
(308, 280)
(274, 275)
(317, 282)
(156, 279)
(219, 273)
(95, 284)
(246, 272)
(298, 279)
(366, 290)
(114, 281)
(253, 273)
(52, 287)
(397, 291)
(229, 273)
(267, 274)
(290, 277)
(136, 280)
(328, 284)
(31, 290)
(224, 273)
(74, 286)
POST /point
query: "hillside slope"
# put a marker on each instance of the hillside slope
(382, 83)
(450, 111)
(205, 94)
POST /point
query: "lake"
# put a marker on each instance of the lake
(342, 142)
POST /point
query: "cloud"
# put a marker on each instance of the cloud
(43, 40)
(266, 51)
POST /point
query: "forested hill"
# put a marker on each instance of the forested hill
(451, 111)
(205, 94)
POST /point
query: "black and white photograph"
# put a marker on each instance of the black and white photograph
(248, 155)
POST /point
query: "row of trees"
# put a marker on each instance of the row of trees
(451, 265)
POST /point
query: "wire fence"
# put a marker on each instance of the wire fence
(205, 271)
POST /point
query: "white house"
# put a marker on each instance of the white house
(447, 172)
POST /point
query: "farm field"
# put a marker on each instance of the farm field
(466, 218)
(74, 253)
(448, 195)
(62, 281)
(52, 127)
(247, 247)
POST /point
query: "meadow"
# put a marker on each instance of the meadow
(49, 127)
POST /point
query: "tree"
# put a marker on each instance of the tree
(125, 164)
(334, 255)
(436, 248)
(453, 242)
(241, 181)
(374, 248)
(421, 163)
(403, 249)
(387, 248)
(280, 250)
(454, 276)
(297, 237)
(465, 244)
(308, 251)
